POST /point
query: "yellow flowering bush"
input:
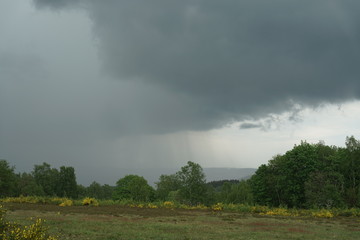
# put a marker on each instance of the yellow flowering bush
(259, 209)
(90, 201)
(217, 207)
(243, 208)
(151, 205)
(168, 204)
(323, 213)
(13, 231)
(196, 207)
(140, 205)
(35, 231)
(66, 203)
(2, 213)
(278, 212)
(23, 199)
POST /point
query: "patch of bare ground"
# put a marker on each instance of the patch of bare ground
(273, 226)
(113, 210)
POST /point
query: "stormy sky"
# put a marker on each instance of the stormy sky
(106, 86)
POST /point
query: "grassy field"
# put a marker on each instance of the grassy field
(117, 222)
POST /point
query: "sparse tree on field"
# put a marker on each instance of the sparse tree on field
(133, 187)
(192, 183)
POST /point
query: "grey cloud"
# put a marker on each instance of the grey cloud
(276, 121)
(56, 4)
(227, 60)
(247, 125)
(167, 67)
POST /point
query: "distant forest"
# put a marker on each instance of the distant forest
(307, 176)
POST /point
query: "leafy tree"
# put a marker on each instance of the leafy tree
(133, 187)
(7, 179)
(352, 171)
(282, 181)
(67, 185)
(225, 192)
(192, 183)
(174, 196)
(299, 163)
(47, 178)
(325, 186)
(167, 184)
(27, 186)
(95, 190)
(321, 192)
(240, 193)
(107, 191)
(82, 191)
(260, 183)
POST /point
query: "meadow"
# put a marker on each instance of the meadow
(106, 220)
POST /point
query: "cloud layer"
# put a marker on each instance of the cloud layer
(212, 62)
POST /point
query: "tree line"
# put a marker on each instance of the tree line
(188, 185)
(307, 176)
(311, 175)
(47, 181)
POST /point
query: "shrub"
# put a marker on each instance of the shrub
(13, 231)
(278, 212)
(66, 203)
(169, 204)
(217, 207)
(323, 213)
(90, 201)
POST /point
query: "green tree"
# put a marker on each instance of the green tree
(300, 162)
(167, 184)
(47, 178)
(133, 187)
(325, 186)
(96, 190)
(193, 188)
(260, 186)
(27, 186)
(107, 191)
(67, 185)
(82, 191)
(282, 180)
(7, 179)
(240, 193)
(350, 169)
(321, 192)
(225, 191)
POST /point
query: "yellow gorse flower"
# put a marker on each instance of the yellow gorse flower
(13, 231)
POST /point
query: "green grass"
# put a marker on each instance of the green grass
(111, 222)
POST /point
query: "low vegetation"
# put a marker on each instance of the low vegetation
(14, 231)
(312, 181)
(218, 207)
(167, 222)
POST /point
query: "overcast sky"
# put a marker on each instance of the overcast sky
(105, 86)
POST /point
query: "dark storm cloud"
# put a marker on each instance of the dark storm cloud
(55, 4)
(227, 60)
(249, 125)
